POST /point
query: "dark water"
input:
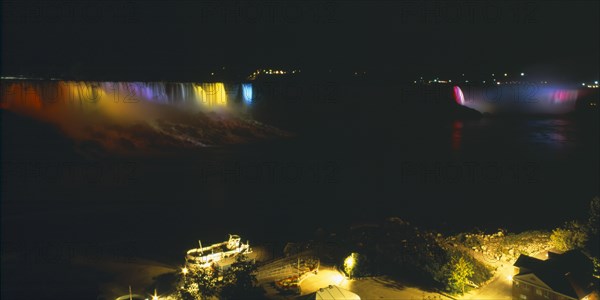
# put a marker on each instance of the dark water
(488, 173)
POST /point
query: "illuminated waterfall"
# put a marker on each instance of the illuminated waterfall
(40, 94)
(247, 93)
(127, 116)
(526, 98)
(459, 96)
(211, 94)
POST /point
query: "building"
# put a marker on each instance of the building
(565, 276)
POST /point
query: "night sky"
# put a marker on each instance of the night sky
(186, 39)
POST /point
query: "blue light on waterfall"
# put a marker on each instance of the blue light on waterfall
(247, 92)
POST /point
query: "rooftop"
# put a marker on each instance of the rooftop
(568, 273)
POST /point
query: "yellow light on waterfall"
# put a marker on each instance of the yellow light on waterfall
(211, 94)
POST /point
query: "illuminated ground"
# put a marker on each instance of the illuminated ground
(368, 288)
(500, 286)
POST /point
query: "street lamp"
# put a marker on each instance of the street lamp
(184, 270)
(349, 261)
(350, 264)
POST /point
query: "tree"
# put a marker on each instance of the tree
(458, 272)
(571, 236)
(199, 283)
(594, 218)
(593, 231)
(239, 281)
(236, 282)
(596, 262)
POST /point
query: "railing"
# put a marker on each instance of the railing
(287, 267)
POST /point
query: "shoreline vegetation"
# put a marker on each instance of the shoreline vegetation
(389, 256)
(394, 250)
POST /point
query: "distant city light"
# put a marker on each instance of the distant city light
(583, 83)
(596, 82)
(505, 74)
(184, 271)
(522, 74)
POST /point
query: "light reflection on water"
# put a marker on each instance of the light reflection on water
(540, 138)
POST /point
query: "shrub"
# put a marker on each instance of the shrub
(571, 236)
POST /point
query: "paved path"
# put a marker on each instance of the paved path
(500, 286)
(384, 288)
(369, 288)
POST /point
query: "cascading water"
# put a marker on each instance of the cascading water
(138, 113)
(519, 98)
(38, 94)
(247, 93)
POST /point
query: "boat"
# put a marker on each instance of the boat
(217, 254)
